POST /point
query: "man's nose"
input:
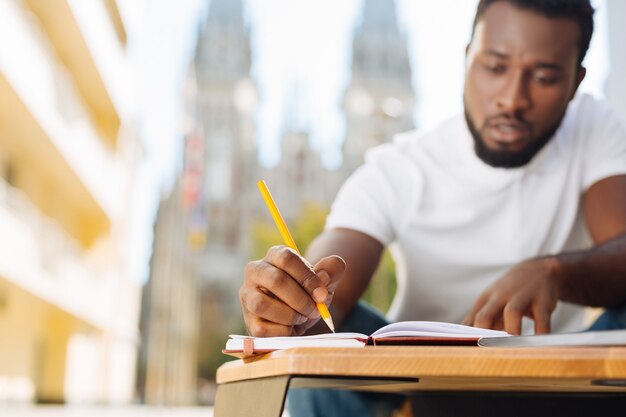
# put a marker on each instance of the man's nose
(514, 97)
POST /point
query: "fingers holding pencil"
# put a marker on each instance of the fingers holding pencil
(280, 291)
(288, 260)
(300, 269)
(281, 282)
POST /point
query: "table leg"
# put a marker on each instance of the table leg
(264, 397)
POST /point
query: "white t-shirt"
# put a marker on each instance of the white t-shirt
(455, 225)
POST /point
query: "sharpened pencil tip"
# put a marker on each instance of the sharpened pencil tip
(329, 323)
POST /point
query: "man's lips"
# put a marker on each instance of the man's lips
(507, 132)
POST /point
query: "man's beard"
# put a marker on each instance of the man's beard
(506, 158)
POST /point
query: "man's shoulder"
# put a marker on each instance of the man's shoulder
(586, 109)
(588, 101)
(589, 122)
(414, 151)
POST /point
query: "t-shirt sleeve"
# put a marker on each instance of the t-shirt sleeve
(606, 150)
(373, 199)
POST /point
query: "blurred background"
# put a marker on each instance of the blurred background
(132, 134)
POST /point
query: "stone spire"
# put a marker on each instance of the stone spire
(223, 49)
(379, 101)
(379, 47)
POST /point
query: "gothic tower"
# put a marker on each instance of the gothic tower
(300, 176)
(379, 101)
(225, 105)
(225, 102)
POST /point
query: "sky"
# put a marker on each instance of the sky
(301, 52)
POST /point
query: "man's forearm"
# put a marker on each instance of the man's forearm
(595, 277)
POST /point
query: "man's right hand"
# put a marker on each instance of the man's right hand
(279, 292)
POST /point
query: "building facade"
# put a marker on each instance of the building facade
(200, 245)
(226, 101)
(300, 177)
(224, 120)
(171, 298)
(169, 359)
(68, 305)
(380, 100)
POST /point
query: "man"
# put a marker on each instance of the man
(511, 216)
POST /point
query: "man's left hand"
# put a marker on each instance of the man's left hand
(529, 289)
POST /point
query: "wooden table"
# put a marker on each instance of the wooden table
(258, 387)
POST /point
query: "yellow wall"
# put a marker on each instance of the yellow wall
(57, 331)
(65, 210)
(41, 172)
(34, 343)
(19, 324)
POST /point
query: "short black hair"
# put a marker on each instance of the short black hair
(579, 10)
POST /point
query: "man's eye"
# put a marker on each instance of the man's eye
(545, 79)
(495, 69)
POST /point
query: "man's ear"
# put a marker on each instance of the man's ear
(582, 71)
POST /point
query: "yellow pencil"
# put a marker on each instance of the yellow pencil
(284, 232)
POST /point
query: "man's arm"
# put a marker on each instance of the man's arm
(278, 292)
(595, 277)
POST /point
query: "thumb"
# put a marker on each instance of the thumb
(334, 265)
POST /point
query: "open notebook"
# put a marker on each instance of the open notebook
(400, 333)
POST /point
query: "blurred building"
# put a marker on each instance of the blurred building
(299, 177)
(224, 119)
(380, 99)
(200, 233)
(205, 223)
(616, 84)
(226, 102)
(171, 298)
(68, 305)
(378, 103)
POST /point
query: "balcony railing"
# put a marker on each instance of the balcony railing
(48, 257)
(50, 93)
